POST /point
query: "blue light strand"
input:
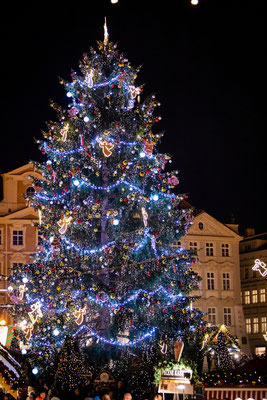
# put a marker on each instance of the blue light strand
(117, 342)
(88, 251)
(105, 189)
(133, 297)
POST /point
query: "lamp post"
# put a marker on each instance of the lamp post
(181, 387)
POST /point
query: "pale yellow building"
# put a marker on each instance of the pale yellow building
(18, 236)
(218, 265)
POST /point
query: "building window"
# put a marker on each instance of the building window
(260, 351)
(193, 246)
(30, 191)
(212, 315)
(226, 281)
(200, 226)
(17, 238)
(246, 273)
(262, 296)
(209, 249)
(248, 325)
(210, 280)
(40, 239)
(1, 237)
(254, 296)
(254, 274)
(16, 266)
(227, 316)
(264, 324)
(255, 325)
(225, 250)
(247, 297)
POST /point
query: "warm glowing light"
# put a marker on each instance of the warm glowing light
(3, 322)
(260, 266)
(114, 1)
(194, 2)
(181, 387)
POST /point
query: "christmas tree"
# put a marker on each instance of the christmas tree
(71, 371)
(109, 272)
(219, 344)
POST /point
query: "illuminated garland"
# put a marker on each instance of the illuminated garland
(132, 343)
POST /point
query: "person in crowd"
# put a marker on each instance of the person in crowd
(54, 394)
(127, 396)
(42, 395)
(105, 397)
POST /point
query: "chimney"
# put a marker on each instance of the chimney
(249, 232)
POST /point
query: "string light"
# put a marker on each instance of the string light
(148, 334)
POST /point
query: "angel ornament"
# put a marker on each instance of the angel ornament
(64, 223)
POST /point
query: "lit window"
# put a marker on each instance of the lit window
(212, 315)
(193, 246)
(17, 238)
(226, 281)
(210, 280)
(262, 296)
(247, 297)
(248, 325)
(260, 351)
(254, 296)
(264, 324)
(209, 249)
(227, 316)
(255, 325)
(225, 250)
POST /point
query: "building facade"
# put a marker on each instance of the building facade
(218, 265)
(253, 270)
(18, 236)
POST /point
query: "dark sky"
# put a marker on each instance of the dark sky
(206, 65)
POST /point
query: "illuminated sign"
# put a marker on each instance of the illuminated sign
(260, 266)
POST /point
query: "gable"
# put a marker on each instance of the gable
(26, 213)
(211, 227)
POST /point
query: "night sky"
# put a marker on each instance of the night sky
(204, 63)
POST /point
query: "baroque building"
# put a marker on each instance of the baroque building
(253, 269)
(18, 237)
(218, 265)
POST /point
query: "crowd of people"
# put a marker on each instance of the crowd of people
(42, 391)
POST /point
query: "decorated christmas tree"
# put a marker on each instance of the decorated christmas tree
(219, 345)
(109, 272)
(71, 370)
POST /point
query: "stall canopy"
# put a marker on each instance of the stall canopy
(244, 393)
